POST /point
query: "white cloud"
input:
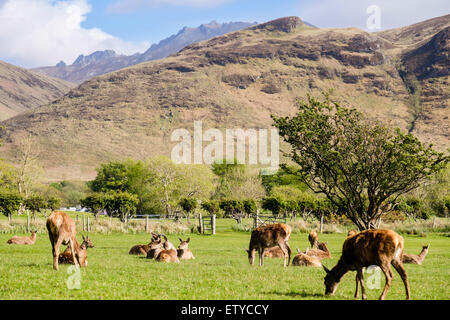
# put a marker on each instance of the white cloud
(125, 6)
(352, 13)
(42, 32)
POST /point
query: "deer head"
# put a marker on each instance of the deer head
(331, 283)
(87, 243)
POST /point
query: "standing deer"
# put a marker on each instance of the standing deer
(303, 259)
(415, 259)
(144, 248)
(313, 239)
(382, 248)
(183, 251)
(66, 256)
(268, 236)
(320, 253)
(23, 240)
(61, 230)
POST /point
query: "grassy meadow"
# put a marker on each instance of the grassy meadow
(220, 270)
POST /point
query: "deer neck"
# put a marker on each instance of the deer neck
(339, 270)
(33, 237)
(422, 254)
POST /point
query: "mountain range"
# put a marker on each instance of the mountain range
(237, 80)
(102, 62)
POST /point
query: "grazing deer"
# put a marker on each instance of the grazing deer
(23, 240)
(415, 259)
(61, 230)
(66, 256)
(273, 252)
(382, 248)
(351, 233)
(321, 253)
(183, 251)
(313, 238)
(268, 236)
(144, 248)
(303, 259)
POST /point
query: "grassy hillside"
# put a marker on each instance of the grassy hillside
(22, 90)
(236, 80)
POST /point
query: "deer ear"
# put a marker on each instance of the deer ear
(180, 239)
(298, 250)
(188, 239)
(83, 237)
(326, 269)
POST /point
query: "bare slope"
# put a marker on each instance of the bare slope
(22, 90)
(236, 80)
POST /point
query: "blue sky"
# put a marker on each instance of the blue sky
(43, 32)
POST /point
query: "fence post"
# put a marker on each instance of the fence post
(213, 224)
(200, 223)
(28, 221)
(88, 225)
(84, 223)
(146, 224)
(321, 223)
(255, 219)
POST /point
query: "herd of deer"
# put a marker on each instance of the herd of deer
(382, 248)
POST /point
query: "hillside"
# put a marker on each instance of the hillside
(22, 90)
(238, 80)
(102, 62)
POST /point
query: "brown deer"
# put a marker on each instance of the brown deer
(351, 233)
(415, 259)
(23, 240)
(273, 252)
(61, 230)
(66, 256)
(183, 251)
(144, 248)
(321, 253)
(303, 259)
(154, 249)
(168, 245)
(268, 236)
(382, 248)
(168, 256)
(313, 239)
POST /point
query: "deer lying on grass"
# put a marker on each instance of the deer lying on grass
(382, 248)
(268, 236)
(23, 240)
(183, 251)
(61, 230)
(273, 252)
(66, 256)
(303, 259)
(313, 239)
(415, 259)
(144, 248)
(168, 253)
(320, 253)
(157, 246)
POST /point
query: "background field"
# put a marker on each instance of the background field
(220, 271)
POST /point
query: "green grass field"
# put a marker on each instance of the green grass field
(220, 271)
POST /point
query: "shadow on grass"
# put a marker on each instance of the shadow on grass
(302, 294)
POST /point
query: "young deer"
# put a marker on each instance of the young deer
(154, 249)
(268, 236)
(168, 245)
(66, 256)
(303, 259)
(273, 252)
(415, 259)
(320, 253)
(144, 248)
(61, 230)
(183, 251)
(23, 240)
(313, 239)
(370, 247)
(168, 256)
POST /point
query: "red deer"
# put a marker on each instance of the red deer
(23, 240)
(351, 233)
(303, 259)
(144, 248)
(313, 238)
(155, 248)
(168, 256)
(268, 236)
(321, 253)
(61, 230)
(382, 248)
(273, 252)
(168, 245)
(415, 259)
(183, 251)
(66, 256)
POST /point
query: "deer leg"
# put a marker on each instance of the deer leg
(357, 286)
(56, 254)
(72, 248)
(286, 252)
(402, 272)
(388, 274)
(360, 279)
(261, 256)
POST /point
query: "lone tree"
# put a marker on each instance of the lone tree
(361, 166)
